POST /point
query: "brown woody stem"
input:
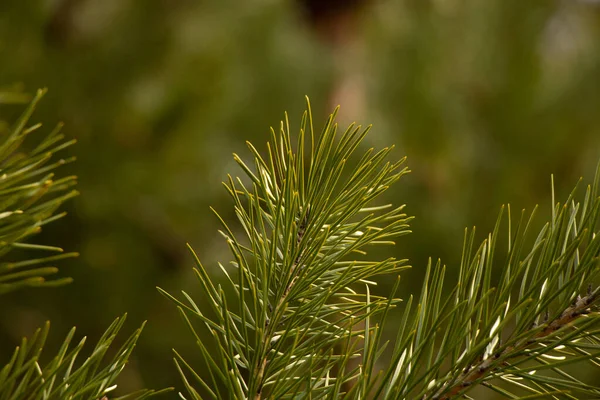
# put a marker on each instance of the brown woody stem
(479, 370)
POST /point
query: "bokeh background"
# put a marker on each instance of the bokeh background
(486, 98)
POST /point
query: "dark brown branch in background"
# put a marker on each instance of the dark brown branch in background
(60, 28)
(333, 20)
(337, 24)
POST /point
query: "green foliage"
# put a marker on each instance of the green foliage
(297, 318)
(293, 322)
(539, 317)
(295, 281)
(29, 199)
(30, 194)
(487, 98)
(24, 378)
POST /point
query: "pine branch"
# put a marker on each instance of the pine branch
(481, 335)
(29, 198)
(64, 377)
(476, 373)
(307, 222)
(292, 324)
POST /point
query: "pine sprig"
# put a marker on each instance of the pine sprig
(539, 317)
(29, 198)
(65, 376)
(307, 219)
(294, 321)
(30, 195)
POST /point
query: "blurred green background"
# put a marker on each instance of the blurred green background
(486, 98)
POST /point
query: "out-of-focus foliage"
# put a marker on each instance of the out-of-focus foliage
(487, 98)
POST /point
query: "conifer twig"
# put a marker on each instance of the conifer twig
(308, 220)
(476, 372)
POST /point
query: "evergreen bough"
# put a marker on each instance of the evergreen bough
(296, 318)
(29, 198)
(30, 195)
